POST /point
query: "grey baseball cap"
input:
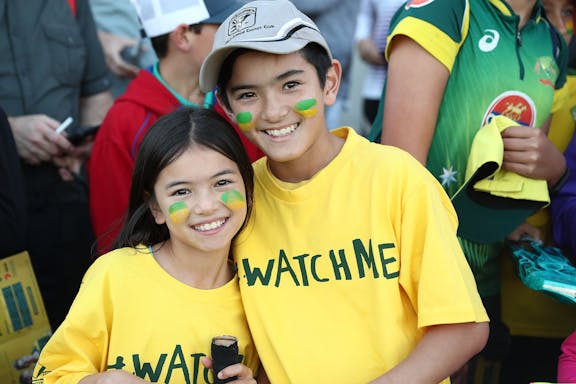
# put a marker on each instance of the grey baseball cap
(273, 26)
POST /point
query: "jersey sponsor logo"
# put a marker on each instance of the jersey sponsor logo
(363, 260)
(489, 41)
(547, 70)
(515, 105)
(417, 3)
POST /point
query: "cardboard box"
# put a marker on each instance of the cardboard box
(24, 327)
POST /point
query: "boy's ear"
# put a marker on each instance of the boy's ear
(333, 77)
(180, 38)
(229, 113)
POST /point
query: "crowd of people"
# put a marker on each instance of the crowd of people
(206, 186)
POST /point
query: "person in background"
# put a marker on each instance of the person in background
(539, 323)
(563, 205)
(147, 311)
(372, 28)
(335, 18)
(12, 196)
(52, 68)
(350, 269)
(120, 34)
(567, 360)
(516, 61)
(181, 38)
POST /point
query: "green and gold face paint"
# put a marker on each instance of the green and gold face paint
(245, 121)
(569, 25)
(306, 108)
(178, 212)
(233, 199)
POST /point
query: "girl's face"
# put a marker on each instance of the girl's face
(560, 14)
(201, 197)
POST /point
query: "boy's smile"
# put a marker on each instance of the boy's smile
(280, 99)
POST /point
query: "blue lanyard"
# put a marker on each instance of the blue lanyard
(208, 98)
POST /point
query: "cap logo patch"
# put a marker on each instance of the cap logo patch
(242, 20)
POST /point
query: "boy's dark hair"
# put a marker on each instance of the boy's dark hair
(169, 137)
(160, 43)
(313, 53)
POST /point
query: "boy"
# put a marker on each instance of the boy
(350, 270)
(182, 37)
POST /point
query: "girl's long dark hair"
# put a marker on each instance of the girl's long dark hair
(168, 138)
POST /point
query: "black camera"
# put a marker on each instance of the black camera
(224, 351)
(78, 134)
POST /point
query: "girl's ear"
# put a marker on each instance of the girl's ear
(157, 213)
(332, 84)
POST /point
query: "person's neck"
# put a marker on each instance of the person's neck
(196, 269)
(522, 8)
(182, 80)
(327, 147)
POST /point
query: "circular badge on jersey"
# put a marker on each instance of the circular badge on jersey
(515, 105)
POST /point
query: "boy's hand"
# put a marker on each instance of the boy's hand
(529, 152)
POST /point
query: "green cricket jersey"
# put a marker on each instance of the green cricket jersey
(494, 69)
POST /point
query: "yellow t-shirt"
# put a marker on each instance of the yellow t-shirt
(341, 275)
(130, 314)
(527, 312)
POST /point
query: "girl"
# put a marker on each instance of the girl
(147, 311)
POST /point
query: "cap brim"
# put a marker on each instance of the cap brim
(213, 63)
(485, 218)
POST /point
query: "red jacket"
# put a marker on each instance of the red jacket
(114, 152)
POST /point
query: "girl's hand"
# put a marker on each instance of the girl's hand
(243, 373)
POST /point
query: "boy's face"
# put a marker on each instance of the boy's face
(560, 15)
(279, 104)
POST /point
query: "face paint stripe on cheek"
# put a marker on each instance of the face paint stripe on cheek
(178, 212)
(233, 199)
(306, 108)
(245, 122)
